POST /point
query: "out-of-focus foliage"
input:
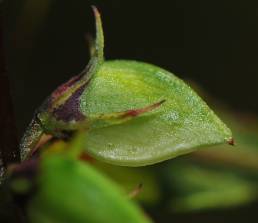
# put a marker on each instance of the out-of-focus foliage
(67, 189)
(200, 187)
(131, 178)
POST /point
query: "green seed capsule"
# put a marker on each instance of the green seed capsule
(133, 113)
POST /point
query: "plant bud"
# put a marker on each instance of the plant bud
(133, 113)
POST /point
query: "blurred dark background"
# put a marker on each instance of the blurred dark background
(214, 43)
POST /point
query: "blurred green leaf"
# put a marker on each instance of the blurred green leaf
(200, 188)
(131, 177)
(70, 190)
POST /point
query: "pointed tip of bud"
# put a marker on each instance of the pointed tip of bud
(99, 41)
(231, 141)
(95, 11)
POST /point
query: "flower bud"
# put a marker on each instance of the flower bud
(133, 113)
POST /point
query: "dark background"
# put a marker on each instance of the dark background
(214, 43)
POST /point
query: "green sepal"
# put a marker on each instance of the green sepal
(183, 124)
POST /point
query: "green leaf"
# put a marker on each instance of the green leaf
(180, 125)
(72, 191)
(130, 178)
(200, 187)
